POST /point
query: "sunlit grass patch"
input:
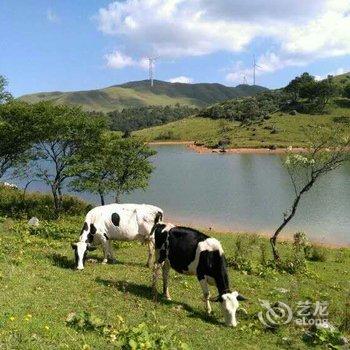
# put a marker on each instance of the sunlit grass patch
(40, 289)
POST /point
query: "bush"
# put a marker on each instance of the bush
(55, 230)
(329, 336)
(296, 262)
(166, 135)
(62, 228)
(124, 337)
(135, 118)
(14, 204)
(242, 258)
(315, 253)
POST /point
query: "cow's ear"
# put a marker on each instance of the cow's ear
(73, 245)
(91, 247)
(241, 297)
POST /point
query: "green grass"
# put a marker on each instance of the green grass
(281, 130)
(39, 289)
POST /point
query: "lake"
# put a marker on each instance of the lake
(242, 192)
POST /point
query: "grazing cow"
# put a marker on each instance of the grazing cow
(122, 222)
(191, 252)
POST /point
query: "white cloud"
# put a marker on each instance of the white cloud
(51, 16)
(301, 31)
(338, 71)
(181, 79)
(118, 60)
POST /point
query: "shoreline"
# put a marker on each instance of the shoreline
(242, 150)
(285, 237)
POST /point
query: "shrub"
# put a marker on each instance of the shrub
(166, 135)
(241, 259)
(14, 204)
(124, 337)
(329, 336)
(315, 253)
(345, 320)
(135, 118)
(296, 262)
(56, 230)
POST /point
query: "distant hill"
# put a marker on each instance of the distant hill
(342, 79)
(139, 93)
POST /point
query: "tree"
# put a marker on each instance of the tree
(5, 96)
(311, 95)
(65, 131)
(327, 150)
(297, 84)
(346, 91)
(114, 164)
(18, 132)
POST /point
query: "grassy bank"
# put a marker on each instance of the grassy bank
(281, 130)
(39, 290)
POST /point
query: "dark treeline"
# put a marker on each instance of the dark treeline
(135, 118)
(304, 94)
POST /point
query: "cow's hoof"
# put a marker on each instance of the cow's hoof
(167, 297)
(104, 261)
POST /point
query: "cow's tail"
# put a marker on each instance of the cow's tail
(158, 217)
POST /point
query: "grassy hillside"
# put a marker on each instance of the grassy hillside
(281, 130)
(40, 290)
(139, 93)
(342, 79)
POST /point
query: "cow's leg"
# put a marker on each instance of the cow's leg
(206, 294)
(165, 272)
(150, 244)
(105, 247)
(156, 273)
(111, 258)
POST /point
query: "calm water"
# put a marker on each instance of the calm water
(243, 193)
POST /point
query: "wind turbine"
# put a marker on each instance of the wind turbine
(255, 66)
(245, 82)
(151, 61)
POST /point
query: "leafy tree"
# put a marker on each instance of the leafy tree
(297, 83)
(18, 132)
(135, 118)
(113, 164)
(65, 131)
(5, 96)
(310, 95)
(346, 91)
(245, 110)
(327, 150)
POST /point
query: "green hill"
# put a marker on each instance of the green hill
(140, 93)
(343, 79)
(280, 130)
(268, 120)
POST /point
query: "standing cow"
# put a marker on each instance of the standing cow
(122, 222)
(193, 253)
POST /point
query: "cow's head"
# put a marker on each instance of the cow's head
(229, 305)
(80, 252)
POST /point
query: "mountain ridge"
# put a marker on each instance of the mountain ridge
(140, 93)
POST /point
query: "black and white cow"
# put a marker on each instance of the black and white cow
(122, 222)
(191, 252)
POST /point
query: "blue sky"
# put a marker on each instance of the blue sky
(81, 45)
